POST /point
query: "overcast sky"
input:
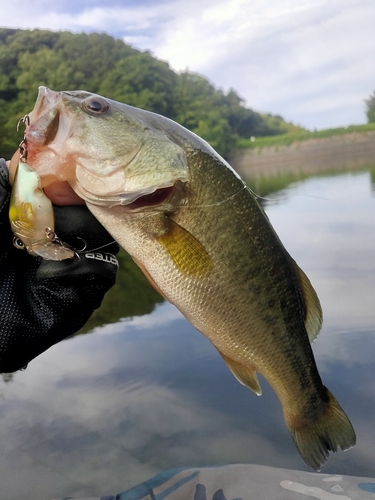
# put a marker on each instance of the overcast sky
(311, 61)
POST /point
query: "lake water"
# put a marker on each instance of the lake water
(105, 410)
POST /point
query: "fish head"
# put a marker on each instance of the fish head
(109, 152)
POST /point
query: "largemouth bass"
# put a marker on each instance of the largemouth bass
(204, 242)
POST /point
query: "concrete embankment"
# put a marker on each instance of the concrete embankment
(349, 151)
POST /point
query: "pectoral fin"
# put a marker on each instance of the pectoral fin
(187, 253)
(245, 375)
(314, 316)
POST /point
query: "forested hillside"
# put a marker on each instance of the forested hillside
(99, 63)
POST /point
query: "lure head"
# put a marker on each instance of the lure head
(32, 219)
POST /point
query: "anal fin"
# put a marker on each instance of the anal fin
(245, 375)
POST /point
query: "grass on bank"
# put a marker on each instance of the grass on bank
(287, 139)
(265, 186)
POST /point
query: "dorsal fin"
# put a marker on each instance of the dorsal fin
(314, 315)
(245, 375)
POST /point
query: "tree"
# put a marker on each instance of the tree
(204, 110)
(101, 64)
(142, 81)
(370, 103)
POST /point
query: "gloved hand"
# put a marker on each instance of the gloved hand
(43, 302)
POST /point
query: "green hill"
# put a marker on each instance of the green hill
(102, 64)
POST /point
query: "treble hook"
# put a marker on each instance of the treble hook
(23, 151)
(23, 148)
(25, 121)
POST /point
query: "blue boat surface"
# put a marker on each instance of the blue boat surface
(246, 482)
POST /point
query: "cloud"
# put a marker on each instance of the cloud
(96, 410)
(301, 61)
(310, 61)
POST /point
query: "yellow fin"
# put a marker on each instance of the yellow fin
(314, 315)
(243, 374)
(21, 211)
(23, 228)
(327, 432)
(186, 252)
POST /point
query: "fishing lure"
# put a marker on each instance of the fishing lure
(32, 219)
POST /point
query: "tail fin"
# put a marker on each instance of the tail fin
(331, 431)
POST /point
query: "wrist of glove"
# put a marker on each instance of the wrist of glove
(43, 301)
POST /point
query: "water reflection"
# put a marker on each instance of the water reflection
(132, 295)
(328, 226)
(102, 412)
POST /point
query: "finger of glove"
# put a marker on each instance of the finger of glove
(76, 226)
(92, 265)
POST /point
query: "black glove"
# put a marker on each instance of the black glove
(43, 302)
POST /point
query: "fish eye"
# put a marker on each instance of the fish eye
(96, 105)
(18, 243)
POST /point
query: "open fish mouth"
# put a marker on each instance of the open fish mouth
(44, 118)
(47, 134)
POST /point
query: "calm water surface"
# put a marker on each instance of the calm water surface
(101, 412)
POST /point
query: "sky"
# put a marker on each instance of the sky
(310, 61)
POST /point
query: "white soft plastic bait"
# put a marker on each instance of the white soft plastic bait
(32, 219)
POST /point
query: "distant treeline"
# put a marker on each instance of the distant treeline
(102, 64)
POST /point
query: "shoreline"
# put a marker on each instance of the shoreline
(350, 151)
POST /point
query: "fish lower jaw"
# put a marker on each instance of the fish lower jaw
(153, 197)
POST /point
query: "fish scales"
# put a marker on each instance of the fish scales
(203, 241)
(229, 308)
(214, 305)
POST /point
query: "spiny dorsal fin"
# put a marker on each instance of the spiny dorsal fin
(245, 375)
(187, 253)
(314, 316)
